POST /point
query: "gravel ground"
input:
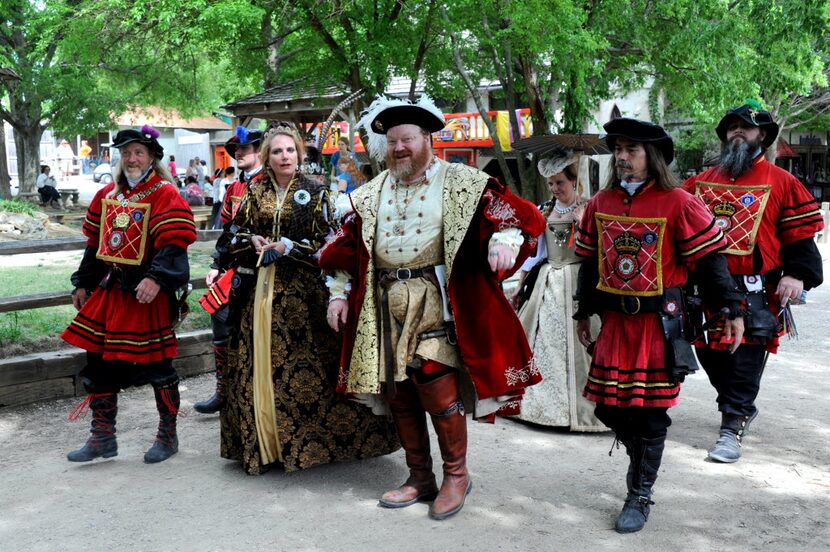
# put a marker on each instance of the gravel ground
(535, 488)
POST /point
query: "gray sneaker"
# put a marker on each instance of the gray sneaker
(727, 449)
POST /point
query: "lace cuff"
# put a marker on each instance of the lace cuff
(511, 237)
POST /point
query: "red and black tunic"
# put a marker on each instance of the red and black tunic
(766, 215)
(642, 245)
(137, 234)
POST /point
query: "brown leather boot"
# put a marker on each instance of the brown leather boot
(442, 399)
(411, 424)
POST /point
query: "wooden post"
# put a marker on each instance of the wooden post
(825, 210)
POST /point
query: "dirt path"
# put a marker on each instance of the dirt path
(535, 489)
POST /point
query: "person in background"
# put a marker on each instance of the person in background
(243, 146)
(171, 166)
(65, 157)
(547, 283)
(84, 152)
(349, 176)
(48, 188)
(343, 151)
(770, 221)
(193, 192)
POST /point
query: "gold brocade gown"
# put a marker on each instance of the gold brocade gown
(310, 423)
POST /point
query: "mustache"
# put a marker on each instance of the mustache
(622, 164)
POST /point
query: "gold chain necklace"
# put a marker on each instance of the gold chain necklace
(402, 206)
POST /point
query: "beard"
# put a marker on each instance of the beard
(405, 167)
(738, 156)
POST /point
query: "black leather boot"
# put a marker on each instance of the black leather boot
(215, 403)
(167, 443)
(645, 456)
(101, 442)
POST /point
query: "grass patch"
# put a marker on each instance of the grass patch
(39, 329)
(17, 206)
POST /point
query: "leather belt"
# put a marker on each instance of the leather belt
(386, 278)
(631, 304)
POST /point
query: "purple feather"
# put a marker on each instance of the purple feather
(150, 132)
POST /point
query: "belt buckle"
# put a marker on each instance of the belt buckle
(399, 274)
(624, 304)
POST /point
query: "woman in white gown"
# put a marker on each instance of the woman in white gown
(546, 288)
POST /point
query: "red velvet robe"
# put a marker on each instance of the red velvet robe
(491, 340)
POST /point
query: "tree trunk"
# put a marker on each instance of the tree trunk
(5, 180)
(27, 142)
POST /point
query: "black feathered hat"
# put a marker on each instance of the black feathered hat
(640, 131)
(147, 135)
(752, 113)
(243, 137)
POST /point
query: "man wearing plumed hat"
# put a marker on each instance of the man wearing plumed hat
(415, 290)
(770, 221)
(243, 146)
(138, 229)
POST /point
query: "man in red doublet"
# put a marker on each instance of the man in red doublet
(640, 237)
(415, 289)
(128, 291)
(770, 221)
(244, 147)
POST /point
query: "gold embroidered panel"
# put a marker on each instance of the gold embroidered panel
(124, 231)
(630, 254)
(738, 211)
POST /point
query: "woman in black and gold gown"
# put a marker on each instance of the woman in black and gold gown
(281, 405)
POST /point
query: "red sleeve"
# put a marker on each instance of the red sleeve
(92, 222)
(171, 221)
(586, 233)
(236, 189)
(800, 217)
(697, 233)
(340, 252)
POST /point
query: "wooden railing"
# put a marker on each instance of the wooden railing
(56, 298)
(51, 375)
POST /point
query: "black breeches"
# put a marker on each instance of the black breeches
(736, 377)
(648, 423)
(110, 376)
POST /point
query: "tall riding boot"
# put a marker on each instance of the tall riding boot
(102, 441)
(645, 456)
(167, 443)
(213, 404)
(442, 399)
(727, 449)
(411, 424)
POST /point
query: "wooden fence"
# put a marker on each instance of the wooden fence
(43, 376)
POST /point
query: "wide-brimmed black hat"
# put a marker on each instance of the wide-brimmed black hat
(639, 131)
(147, 135)
(752, 115)
(243, 137)
(407, 115)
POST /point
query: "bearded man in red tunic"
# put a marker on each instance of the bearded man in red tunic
(415, 289)
(770, 221)
(128, 293)
(641, 237)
